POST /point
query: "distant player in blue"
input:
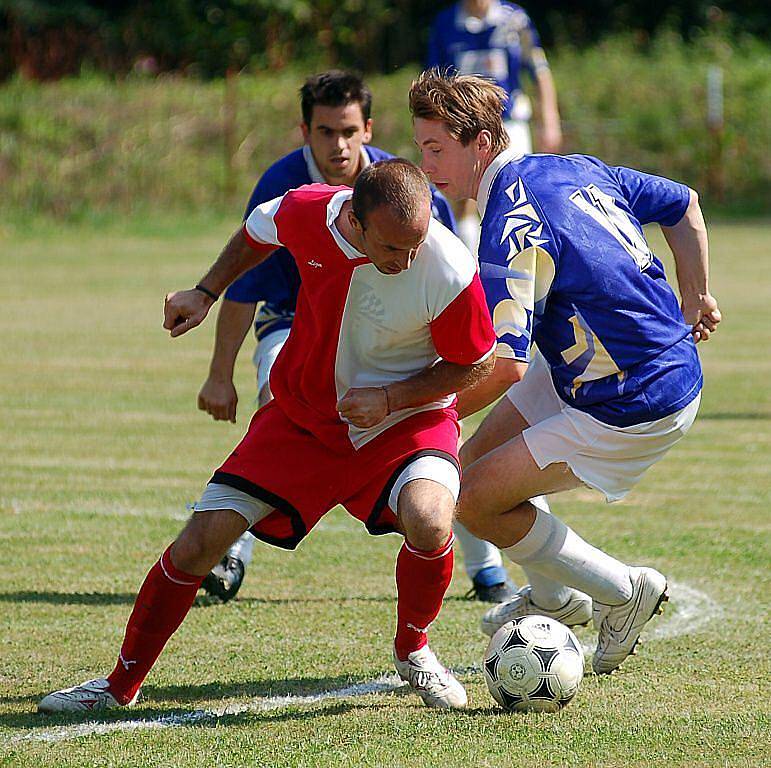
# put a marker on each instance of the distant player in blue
(497, 40)
(337, 128)
(617, 379)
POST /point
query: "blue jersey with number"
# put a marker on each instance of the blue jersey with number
(498, 47)
(565, 264)
(276, 281)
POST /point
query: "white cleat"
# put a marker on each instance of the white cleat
(620, 625)
(90, 696)
(576, 612)
(430, 680)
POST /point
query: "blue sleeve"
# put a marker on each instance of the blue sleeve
(245, 290)
(653, 198)
(269, 186)
(442, 211)
(264, 280)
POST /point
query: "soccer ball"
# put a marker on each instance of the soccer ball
(533, 664)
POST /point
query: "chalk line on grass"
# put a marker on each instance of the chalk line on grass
(690, 610)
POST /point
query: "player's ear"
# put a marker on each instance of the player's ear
(367, 131)
(306, 129)
(484, 140)
(354, 221)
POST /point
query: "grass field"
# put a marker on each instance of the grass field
(102, 448)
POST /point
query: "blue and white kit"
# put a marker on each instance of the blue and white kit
(565, 265)
(498, 47)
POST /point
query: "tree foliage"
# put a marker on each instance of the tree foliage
(47, 39)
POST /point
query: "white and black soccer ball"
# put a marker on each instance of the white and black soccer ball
(533, 664)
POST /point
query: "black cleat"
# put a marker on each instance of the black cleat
(225, 579)
(492, 585)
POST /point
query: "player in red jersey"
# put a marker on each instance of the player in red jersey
(391, 321)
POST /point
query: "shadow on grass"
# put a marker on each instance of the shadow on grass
(738, 416)
(202, 601)
(211, 696)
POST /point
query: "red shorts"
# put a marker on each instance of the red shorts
(289, 468)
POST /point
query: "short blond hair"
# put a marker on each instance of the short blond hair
(466, 104)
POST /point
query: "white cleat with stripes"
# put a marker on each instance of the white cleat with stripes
(90, 696)
(620, 625)
(434, 684)
(576, 612)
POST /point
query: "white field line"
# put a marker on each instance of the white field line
(691, 610)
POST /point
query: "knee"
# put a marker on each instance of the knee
(426, 525)
(194, 551)
(473, 514)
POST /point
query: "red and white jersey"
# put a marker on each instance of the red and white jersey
(357, 327)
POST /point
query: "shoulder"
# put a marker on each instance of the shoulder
(288, 172)
(375, 153)
(446, 258)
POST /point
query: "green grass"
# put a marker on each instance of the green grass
(102, 447)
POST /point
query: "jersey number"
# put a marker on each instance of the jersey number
(603, 209)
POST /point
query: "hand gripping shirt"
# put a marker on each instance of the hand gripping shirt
(498, 47)
(565, 264)
(356, 327)
(276, 281)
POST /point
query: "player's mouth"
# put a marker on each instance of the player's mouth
(339, 160)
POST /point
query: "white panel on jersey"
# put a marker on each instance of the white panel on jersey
(261, 225)
(385, 334)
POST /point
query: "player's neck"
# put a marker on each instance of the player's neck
(478, 8)
(344, 227)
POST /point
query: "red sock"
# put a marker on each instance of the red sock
(422, 579)
(162, 603)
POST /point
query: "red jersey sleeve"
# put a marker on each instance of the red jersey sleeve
(463, 333)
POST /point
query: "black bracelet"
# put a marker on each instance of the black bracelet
(213, 296)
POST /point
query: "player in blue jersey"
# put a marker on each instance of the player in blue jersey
(337, 129)
(617, 379)
(497, 40)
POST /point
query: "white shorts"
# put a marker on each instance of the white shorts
(266, 353)
(610, 459)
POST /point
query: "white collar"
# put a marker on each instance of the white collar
(488, 177)
(313, 169)
(473, 24)
(333, 211)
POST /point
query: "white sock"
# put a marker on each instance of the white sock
(242, 548)
(557, 552)
(545, 592)
(477, 553)
(468, 232)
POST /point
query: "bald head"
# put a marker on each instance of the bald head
(397, 185)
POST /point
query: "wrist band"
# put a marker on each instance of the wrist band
(213, 296)
(388, 405)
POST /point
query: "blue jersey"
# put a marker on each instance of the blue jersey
(498, 47)
(565, 264)
(276, 281)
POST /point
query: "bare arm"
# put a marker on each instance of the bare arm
(505, 373)
(184, 310)
(368, 406)
(551, 130)
(688, 242)
(218, 396)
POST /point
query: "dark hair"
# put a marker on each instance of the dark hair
(396, 183)
(334, 88)
(466, 104)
